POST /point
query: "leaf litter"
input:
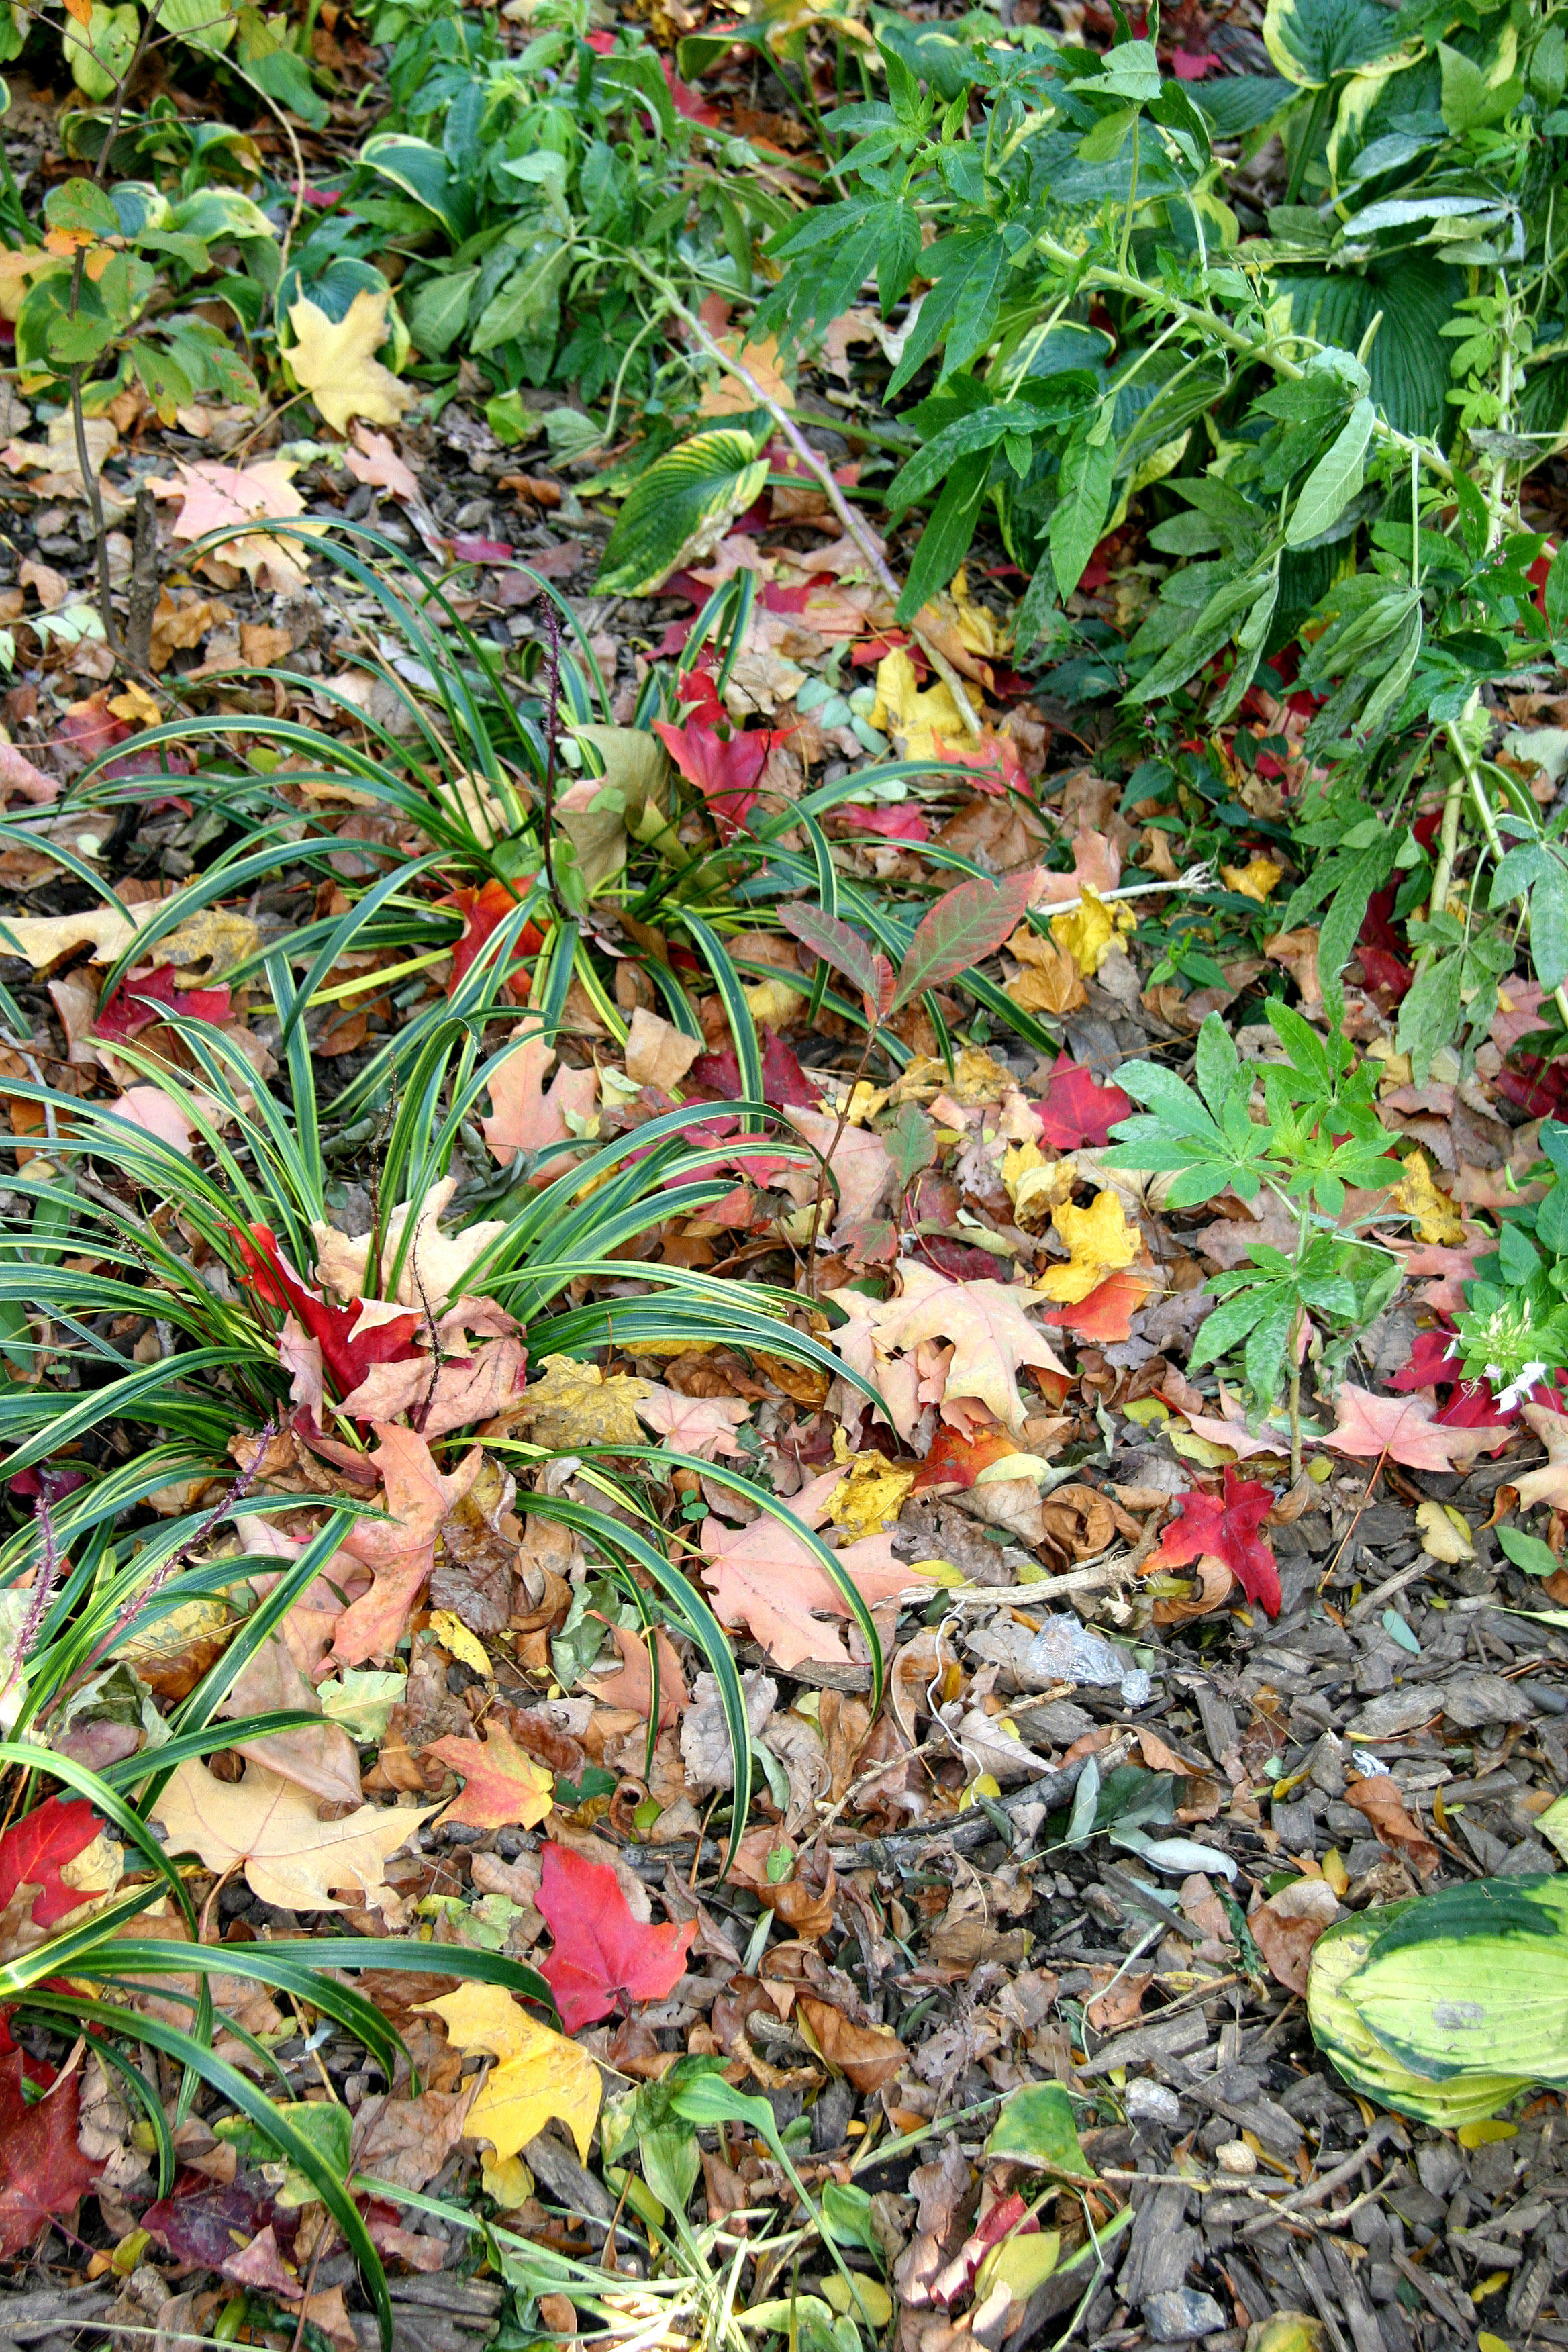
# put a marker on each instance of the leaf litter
(1087, 1689)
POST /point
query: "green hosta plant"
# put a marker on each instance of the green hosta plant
(1320, 1135)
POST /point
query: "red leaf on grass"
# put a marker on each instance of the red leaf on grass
(726, 770)
(484, 912)
(1227, 1530)
(42, 2171)
(963, 927)
(34, 1850)
(904, 823)
(602, 1956)
(1074, 1111)
(784, 1081)
(846, 952)
(142, 999)
(347, 1353)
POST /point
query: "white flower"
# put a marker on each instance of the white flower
(1517, 1390)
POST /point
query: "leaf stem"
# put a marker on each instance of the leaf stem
(854, 526)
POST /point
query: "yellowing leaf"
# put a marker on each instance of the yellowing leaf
(1101, 1241)
(870, 1500)
(508, 2181)
(1431, 1212)
(1091, 930)
(1022, 2264)
(1258, 879)
(501, 1784)
(1481, 2135)
(334, 361)
(466, 1648)
(1444, 1532)
(290, 1857)
(541, 2076)
(928, 723)
(574, 1404)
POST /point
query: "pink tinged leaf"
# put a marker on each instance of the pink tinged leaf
(17, 775)
(846, 952)
(963, 927)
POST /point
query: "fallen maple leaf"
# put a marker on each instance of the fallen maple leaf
(574, 1404)
(524, 1117)
(631, 1685)
(730, 397)
(501, 1783)
(1550, 1482)
(433, 1264)
(986, 1322)
(785, 1083)
(373, 459)
(726, 769)
(602, 1956)
(34, 1850)
(350, 1341)
(1075, 1111)
(857, 1159)
(334, 361)
(1106, 1314)
(1227, 1530)
(1288, 1924)
(541, 2074)
(290, 1857)
(484, 912)
(701, 1425)
(763, 1576)
(1101, 1243)
(1404, 1428)
(43, 2172)
(400, 1550)
(1430, 1211)
(145, 997)
(215, 497)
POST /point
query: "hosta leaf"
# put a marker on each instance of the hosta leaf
(688, 497)
(1310, 41)
(1408, 362)
(422, 171)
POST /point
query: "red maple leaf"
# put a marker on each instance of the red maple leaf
(484, 912)
(347, 1355)
(955, 1460)
(904, 823)
(143, 998)
(1106, 1314)
(602, 1956)
(725, 768)
(1228, 1531)
(42, 2171)
(784, 1081)
(1074, 1111)
(34, 1849)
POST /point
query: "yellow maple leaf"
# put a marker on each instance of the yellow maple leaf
(1258, 879)
(1102, 1243)
(868, 1501)
(454, 1635)
(1091, 930)
(574, 1404)
(927, 722)
(730, 397)
(540, 2073)
(1432, 1213)
(334, 361)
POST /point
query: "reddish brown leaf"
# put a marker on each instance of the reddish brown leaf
(42, 2171)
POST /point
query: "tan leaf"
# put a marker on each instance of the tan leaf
(657, 1053)
(290, 1858)
(764, 1577)
(524, 1117)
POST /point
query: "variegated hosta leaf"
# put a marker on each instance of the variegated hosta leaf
(681, 509)
(1311, 41)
